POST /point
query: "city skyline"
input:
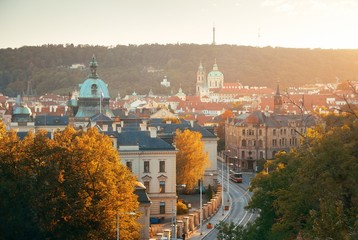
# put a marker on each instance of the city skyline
(278, 23)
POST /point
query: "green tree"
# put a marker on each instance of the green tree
(310, 192)
(191, 158)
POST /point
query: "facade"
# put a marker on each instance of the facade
(153, 162)
(252, 138)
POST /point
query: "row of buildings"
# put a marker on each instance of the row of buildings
(145, 144)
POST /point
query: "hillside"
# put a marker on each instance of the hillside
(125, 68)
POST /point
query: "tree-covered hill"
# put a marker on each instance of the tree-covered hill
(125, 68)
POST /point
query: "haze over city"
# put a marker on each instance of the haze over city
(278, 23)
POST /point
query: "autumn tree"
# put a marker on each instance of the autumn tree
(73, 187)
(191, 158)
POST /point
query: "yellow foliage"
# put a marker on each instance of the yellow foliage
(191, 158)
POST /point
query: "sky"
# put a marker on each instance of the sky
(328, 24)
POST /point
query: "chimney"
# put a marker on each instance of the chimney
(192, 123)
(153, 132)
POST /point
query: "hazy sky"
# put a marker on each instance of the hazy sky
(284, 23)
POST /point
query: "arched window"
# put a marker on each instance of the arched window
(94, 89)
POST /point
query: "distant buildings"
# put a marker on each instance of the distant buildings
(253, 138)
(165, 82)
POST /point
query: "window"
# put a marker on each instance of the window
(274, 132)
(146, 166)
(94, 89)
(162, 207)
(162, 187)
(260, 132)
(243, 131)
(261, 143)
(274, 142)
(261, 154)
(243, 143)
(161, 166)
(129, 166)
(243, 155)
(146, 185)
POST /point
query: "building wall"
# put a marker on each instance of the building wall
(251, 143)
(154, 176)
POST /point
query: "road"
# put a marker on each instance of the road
(239, 197)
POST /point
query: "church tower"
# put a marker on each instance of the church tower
(200, 80)
(94, 95)
(277, 108)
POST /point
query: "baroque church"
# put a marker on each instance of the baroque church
(212, 88)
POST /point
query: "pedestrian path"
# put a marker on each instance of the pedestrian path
(219, 216)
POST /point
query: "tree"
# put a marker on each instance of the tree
(191, 158)
(311, 192)
(73, 187)
(230, 231)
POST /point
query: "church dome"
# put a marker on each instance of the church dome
(93, 87)
(23, 110)
(215, 72)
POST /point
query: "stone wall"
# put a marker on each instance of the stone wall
(189, 223)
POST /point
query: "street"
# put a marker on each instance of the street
(239, 198)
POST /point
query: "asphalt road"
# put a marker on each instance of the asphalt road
(239, 198)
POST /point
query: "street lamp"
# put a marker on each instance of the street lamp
(201, 205)
(117, 222)
(222, 187)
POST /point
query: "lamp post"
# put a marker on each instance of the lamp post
(222, 184)
(201, 205)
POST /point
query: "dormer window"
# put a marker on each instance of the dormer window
(94, 89)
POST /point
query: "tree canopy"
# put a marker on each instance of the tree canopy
(71, 187)
(141, 68)
(191, 158)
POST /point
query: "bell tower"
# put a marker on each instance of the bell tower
(200, 80)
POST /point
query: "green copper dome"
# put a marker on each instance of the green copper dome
(215, 72)
(93, 97)
(93, 87)
(22, 110)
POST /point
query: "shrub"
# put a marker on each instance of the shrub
(182, 208)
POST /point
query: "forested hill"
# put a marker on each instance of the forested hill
(125, 68)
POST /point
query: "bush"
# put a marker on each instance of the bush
(182, 208)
